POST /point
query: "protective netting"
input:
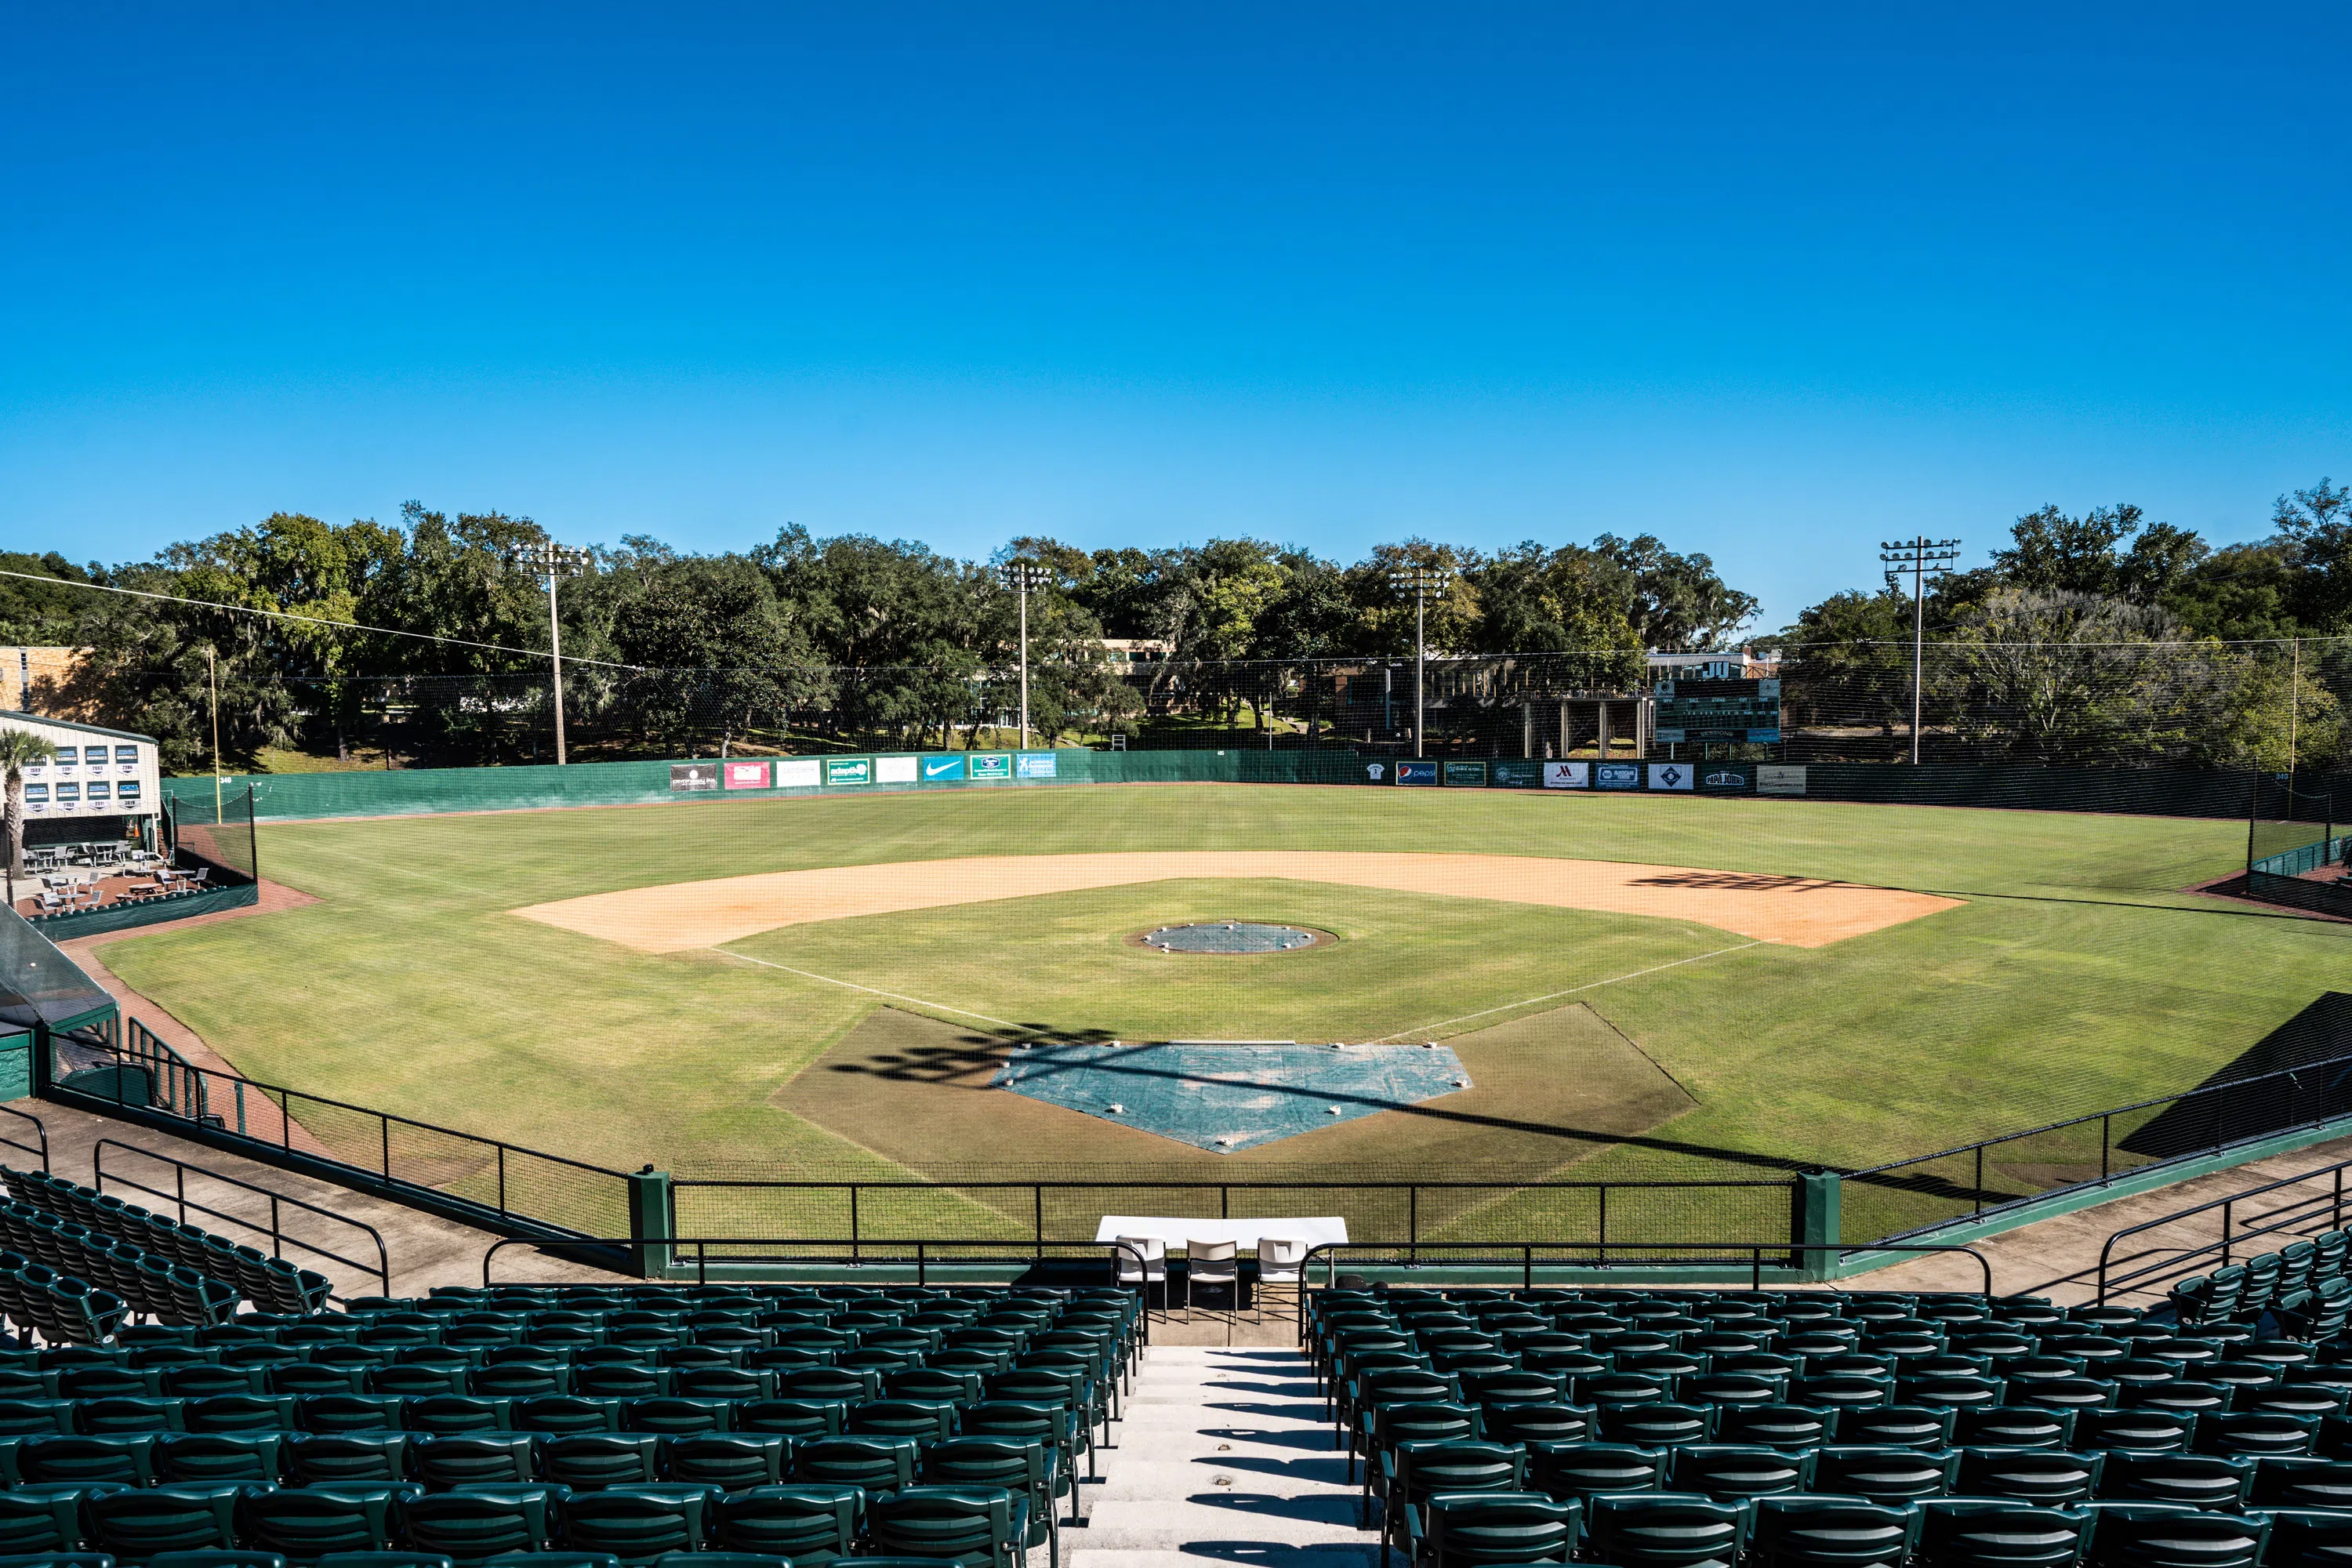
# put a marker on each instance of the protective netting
(213, 826)
(39, 984)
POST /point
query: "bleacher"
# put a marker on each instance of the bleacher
(146, 1420)
(1827, 1430)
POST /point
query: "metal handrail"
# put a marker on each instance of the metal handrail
(279, 1240)
(2100, 1115)
(1526, 1250)
(38, 1131)
(860, 1258)
(1039, 1187)
(2230, 1232)
(281, 1100)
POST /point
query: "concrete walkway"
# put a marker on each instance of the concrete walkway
(423, 1251)
(2060, 1257)
(1224, 1454)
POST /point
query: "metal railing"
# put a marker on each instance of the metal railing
(274, 1230)
(483, 1180)
(2204, 1121)
(1412, 1205)
(923, 1252)
(1701, 1253)
(40, 1132)
(2288, 1218)
(176, 1084)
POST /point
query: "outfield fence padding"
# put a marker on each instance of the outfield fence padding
(2154, 792)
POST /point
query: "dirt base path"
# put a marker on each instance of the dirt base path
(1800, 911)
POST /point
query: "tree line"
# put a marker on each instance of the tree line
(2101, 636)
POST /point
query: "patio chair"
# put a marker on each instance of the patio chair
(1216, 1264)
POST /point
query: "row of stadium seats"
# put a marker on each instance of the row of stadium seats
(1468, 1530)
(60, 1223)
(585, 1461)
(939, 1526)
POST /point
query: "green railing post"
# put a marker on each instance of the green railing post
(649, 1217)
(1815, 1197)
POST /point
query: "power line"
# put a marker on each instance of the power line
(306, 620)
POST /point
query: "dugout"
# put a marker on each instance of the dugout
(102, 786)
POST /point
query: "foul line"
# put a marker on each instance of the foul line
(870, 991)
(1594, 985)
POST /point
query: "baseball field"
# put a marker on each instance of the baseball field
(1633, 986)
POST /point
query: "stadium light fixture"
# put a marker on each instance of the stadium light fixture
(553, 561)
(1025, 577)
(1420, 581)
(1919, 558)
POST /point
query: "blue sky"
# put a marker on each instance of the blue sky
(1773, 283)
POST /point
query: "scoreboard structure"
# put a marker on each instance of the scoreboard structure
(1717, 712)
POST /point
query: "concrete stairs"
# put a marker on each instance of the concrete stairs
(1223, 1453)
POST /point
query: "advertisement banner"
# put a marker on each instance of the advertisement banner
(1465, 775)
(682, 776)
(1723, 775)
(1671, 775)
(1376, 773)
(893, 770)
(746, 776)
(1567, 775)
(1616, 775)
(848, 770)
(938, 770)
(1416, 772)
(1038, 765)
(799, 772)
(993, 765)
(1516, 775)
(1774, 778)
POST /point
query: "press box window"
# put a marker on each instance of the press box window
(37, 795)
(98, 790)
(68, 793)
(127, 792)
(126, 756)
(67, 756)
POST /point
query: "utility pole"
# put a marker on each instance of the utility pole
(212, 684)
(2293, 705)
(553, 561)
(1421, 582)
(1023, 577)
(1922, 558)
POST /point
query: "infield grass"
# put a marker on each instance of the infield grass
(2073, 976)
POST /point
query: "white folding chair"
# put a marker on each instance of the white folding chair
(1144, 1266)
(1281, 1265)
(1212, 1263)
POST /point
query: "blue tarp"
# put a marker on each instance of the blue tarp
(1224, 1097)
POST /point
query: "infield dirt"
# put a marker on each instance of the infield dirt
(1796, 911)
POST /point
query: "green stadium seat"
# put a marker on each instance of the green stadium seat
(307, 1522)
(812, 1525)
(137, 1524)
(589, 1461)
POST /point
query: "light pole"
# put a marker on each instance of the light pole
(1023, 577)
(553, 561)
(1421, 582)
(1922, 558)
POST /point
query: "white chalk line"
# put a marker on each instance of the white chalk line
(1556, 995)
(870, 991)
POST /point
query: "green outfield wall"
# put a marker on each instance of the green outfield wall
(424, 791)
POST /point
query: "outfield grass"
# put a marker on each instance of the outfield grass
(2075, 975)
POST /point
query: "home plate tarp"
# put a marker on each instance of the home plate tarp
(1223, 1095)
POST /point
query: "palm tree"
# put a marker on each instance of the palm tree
(18, 747)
